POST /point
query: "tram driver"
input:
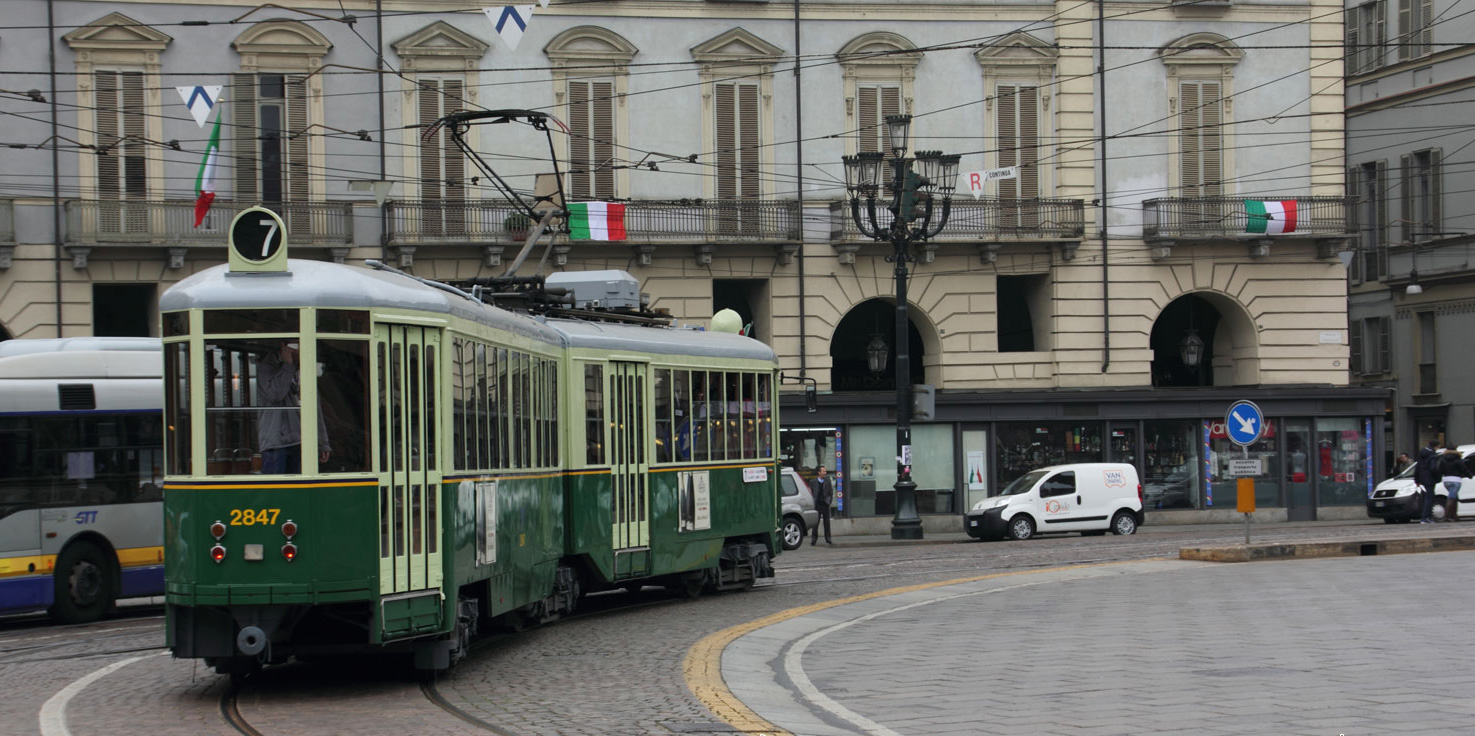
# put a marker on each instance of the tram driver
(279, 433)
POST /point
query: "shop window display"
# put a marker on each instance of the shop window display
(1170, 464)
(1342, 461)
(1026, 446)
(871, 469)
(1222, 487)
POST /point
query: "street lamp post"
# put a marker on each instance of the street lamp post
(911, 186)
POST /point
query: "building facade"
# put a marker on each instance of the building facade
(1051, 314)
(1412, 283)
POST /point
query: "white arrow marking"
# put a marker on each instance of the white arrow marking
(1245, 425)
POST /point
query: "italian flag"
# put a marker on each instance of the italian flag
(1272, 217)
(205, 180)
(597, 221)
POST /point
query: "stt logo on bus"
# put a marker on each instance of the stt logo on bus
(85, 517)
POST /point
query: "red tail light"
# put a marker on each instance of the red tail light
(217, 553)
(1141, 498)
(289, 551)
(289, 529)
(217, 530)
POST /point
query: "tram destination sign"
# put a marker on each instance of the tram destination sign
(258, 241)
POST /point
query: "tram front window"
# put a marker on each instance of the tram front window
(253, 397)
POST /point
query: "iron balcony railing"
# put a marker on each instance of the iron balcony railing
(1199, 217)
(987, 220)
(172, 222)
(694, 221)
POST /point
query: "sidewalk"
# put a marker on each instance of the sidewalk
(1259, 529)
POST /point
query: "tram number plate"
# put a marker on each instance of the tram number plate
(252, 517)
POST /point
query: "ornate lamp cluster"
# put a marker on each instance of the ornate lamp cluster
(912, 185)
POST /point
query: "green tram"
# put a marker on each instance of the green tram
(457, 464)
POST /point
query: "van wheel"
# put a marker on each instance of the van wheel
(1021, 527)
(793, 533)
(1124, 523)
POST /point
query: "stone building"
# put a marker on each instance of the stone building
(1108, 302)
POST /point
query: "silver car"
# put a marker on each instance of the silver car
(797, 511)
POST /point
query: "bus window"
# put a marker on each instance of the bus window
(343, 395)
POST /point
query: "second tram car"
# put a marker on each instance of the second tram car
(359, 460)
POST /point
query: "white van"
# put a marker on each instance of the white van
(1090, 498)
(1396, 500)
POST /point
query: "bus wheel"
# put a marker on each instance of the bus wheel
(84, 583)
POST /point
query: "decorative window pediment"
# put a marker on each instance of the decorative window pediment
(736, 46)
(1201, 53)
(590, 45)
(880, 49)
(440, 44)
(116, 31)
(1018, 49)
(282, 37)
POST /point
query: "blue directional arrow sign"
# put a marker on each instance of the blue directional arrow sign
(1244, 423)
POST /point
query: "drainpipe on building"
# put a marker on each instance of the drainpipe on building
(799, 188)
(56, 257)
(1105, 250)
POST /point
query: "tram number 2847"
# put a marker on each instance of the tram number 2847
(252, 517)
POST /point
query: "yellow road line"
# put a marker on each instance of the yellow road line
(702, 668)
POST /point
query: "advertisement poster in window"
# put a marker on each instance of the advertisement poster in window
(696, 501)
(975, 470)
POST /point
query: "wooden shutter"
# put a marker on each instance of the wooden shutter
(1379, 40)
(1426, 27)
(1029, 143)
(1385, 344)
(243, 136)
(1354, 347)
(1406, 194)
(726, 118)
(867, 113)
(1353, 189)
(452, 162)
(298, 174)
(1190, 165)
(580, 131)
(134, 151)
(1405, 29)
(1380, 235)
(602, 118)
(1211, 151)
(431, 182)
(748, 130)
(109, 167)
(1006, 102)
(1436, 191)
(1352, 20)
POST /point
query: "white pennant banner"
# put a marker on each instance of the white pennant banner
(200, 100)
(510, 21)
(976, 179)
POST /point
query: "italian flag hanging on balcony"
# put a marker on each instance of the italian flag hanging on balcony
(1271, 217)
(205, 180)
(596, 221)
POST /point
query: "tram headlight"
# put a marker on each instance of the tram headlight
(289, 551)
(217, 530)
(289, 529)
(217, 553)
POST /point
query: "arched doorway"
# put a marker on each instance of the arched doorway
(1188, 319)
(857, 333)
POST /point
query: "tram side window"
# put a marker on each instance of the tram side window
(664, 443)
(343, 397)
(733, 413)
(554, 436)
(750, 415)
(681, 414)
(765, 415)
(594, 414)
(701, 418)
(177, 407)
(458, 404)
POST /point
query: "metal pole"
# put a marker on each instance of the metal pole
(905, 524)
(1246, 450)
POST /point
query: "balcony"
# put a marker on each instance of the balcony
(7, 233)
(171, 223)
(1166, 221)
(988, 222)
(493, 225)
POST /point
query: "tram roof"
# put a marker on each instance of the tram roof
(664, 340)
(320, 284)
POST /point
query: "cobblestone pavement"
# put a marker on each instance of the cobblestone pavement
(619, 672)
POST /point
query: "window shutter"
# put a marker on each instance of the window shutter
(1354, 347)
(867, 114)
(1211, 152)
(1426, 27)
(1190, 171)
(1385, 344)
(748, 118)
(453, 163)
(726, 112)
(1436, 191)
(1406, 193)
(298, 175)
(1352, 188)
(890, 105)
(109, 166)
(1405, 29)
(1006, 102)
(134, 150)
(604, 139)
(431, 182)
(1380, 34)
(580, 131)
(1354, 52)
(1029, 143)
(1380, 236)
(243, 136)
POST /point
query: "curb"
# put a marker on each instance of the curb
(1310, 550)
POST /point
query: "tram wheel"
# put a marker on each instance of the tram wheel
(84, 583)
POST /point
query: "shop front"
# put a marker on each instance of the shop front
(1321, 452)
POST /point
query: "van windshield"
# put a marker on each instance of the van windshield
(1024, 483)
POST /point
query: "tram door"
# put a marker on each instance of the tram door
(630, 467)
(406, 363)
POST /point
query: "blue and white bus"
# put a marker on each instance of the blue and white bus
(81, 472)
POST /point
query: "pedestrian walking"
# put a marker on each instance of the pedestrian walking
(1426, 475)
(1453, 472)
(824, 493)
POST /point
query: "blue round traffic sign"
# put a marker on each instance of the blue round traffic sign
(1244, 423)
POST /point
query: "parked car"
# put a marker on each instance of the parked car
(1396, 500)
(797, 510)
(1090, 498)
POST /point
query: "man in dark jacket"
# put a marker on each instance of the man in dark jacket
(824, 493)
(1426, 475)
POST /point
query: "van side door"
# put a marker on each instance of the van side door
(1058, 507)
